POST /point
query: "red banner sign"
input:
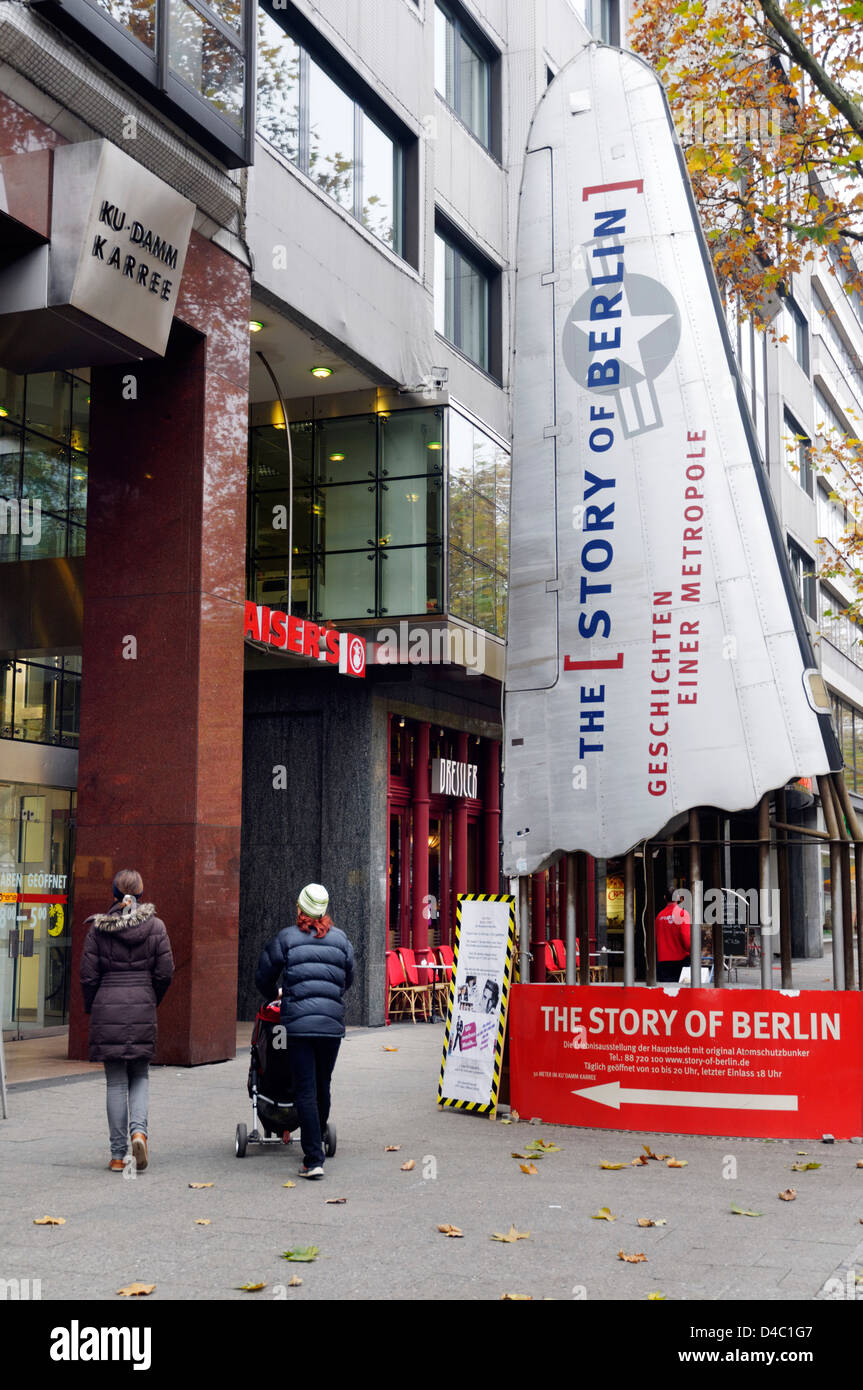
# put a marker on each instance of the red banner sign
(749, 1062)
(303, 638)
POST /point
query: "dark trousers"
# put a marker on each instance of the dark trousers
(668, 971)
(312, 1062)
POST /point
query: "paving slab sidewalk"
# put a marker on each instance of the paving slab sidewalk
(383, 1242)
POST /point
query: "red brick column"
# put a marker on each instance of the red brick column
(161, 734)
(420, 876)
(539, 934)
(491, 819)
(459, 841)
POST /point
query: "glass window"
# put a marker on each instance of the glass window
(478, 525)
(346, 585)
(136, 16)
(797, 452)
(410, 581)
(380, 182)
(278, 87)
(11, 396)
(462, 301)
(463, 72)
(411, 512)
(331, 137)
(411, 443)
(10, 459)
(46, 473)
(200, 54)
(348, 519)
(346, 449)
(49, 404)
(318, 125)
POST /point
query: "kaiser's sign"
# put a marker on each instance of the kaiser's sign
(657, 651)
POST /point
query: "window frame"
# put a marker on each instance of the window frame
(805, 578)
(450, 235)
(366, 103)
(464, 27)
(148, 72)
(804, 476)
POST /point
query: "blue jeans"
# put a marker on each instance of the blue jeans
(128, 1099)
(312, 1062)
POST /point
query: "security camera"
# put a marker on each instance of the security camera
(437, 378)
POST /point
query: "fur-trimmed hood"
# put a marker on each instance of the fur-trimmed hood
(115, 921)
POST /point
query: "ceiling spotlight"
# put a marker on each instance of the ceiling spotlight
(435, 445)
(337, 458)
(3, 413)
(255, 325)
(322, 372)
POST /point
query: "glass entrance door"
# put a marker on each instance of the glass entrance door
(36, 851)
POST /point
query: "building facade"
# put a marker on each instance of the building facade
(255, 357)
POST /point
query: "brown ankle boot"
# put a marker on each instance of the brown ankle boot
(139, 1151)
(116, 1165)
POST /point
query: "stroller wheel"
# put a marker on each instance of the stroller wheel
(329, 1137)
(241, 1141)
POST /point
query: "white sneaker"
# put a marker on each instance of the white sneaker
(305, 1172)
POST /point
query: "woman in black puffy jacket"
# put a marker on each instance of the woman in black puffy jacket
(315, 962)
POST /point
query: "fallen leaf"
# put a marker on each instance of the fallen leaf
(49, 1221)
(134, 1290)
(294, 1282)
(507, 1122)
(744, 1211)
(511, 1236)
(517, 1297)
(604, 1214)
(661, 1157)
(450, 1231)
(677, 1163)
(201, 1184)
(201, 1221)
(335, 1201)
(803, 1167)
(860, 1163)
(802, 1153)
(518, 1155)
(514, 1116)
(392, 1148)
(305, 1255)
(604, 1164)
(640, 1162)
(544, 1146)
(529, 1168)
(632, 1259)
(409, 1166)
(289, 1184)
(789, 1195)
(656, 1297)
(250, 1288)
(649, 1221)
(648, 1151)
(389, 1049)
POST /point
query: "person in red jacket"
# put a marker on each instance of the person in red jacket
(673, 939)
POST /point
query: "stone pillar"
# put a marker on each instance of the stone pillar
(162, 698)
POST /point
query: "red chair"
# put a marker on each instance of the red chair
(401, 994)
(446, 957)
(416, 986)
(444, 977)
(558, 946)
(552, 969)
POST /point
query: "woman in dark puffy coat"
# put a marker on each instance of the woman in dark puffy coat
(315, 962)
(126, 969)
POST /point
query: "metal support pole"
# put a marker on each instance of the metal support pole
(849, 829)
(3, 1078)
(629, 919)
(765, 917)
(583, 916)
(858, 885)
(784, 895)
(649, 916)
(716, 883)
(826, 793)
(570, 919)
(524, 929)
(696, 888)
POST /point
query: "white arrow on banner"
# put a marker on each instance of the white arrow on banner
(613, 1094)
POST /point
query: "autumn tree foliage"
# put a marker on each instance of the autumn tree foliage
(767, 99)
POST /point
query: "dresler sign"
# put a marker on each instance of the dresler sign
(695, 1061)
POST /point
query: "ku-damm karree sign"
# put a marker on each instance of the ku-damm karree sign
(657, 650)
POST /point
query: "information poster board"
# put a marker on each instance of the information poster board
(751, 1062)
(478, 1002)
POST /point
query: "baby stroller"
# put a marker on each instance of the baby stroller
(271, 1089)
